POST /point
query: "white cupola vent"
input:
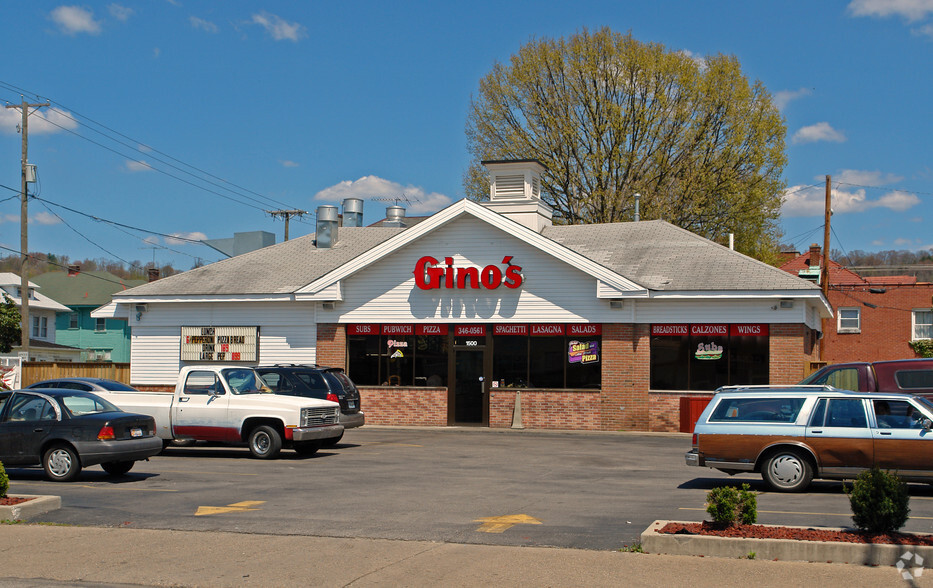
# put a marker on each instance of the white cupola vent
(515, 192)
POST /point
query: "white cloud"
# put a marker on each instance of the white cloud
(156, 52)
(289, 163)
(785, 97)
(41, 121)
(866, 178)
(74, 19)
(911, 10)
(204, 25)
(45, 218)
(369, 187)
(9, 218)
(810, 201)
(185, 237)
(151, 240)
(138, 166)
(698, 59)
(279, 28)
(901, 242)
(819, 132)
(121, 13)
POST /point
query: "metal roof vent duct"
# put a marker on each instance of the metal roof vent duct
(395, 217)
(352, 212)
(327, 221)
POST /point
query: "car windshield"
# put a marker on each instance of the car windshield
(244, 381)
(78, 405)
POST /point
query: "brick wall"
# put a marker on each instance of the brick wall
(790, 352)
(391, 405)
(625, 377)
(885, 330)
(332, 345)
(547, 409)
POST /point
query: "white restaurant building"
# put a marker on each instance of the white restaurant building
(446, 321)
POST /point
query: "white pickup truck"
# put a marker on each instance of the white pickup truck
(232, 405)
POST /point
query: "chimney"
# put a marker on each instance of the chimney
(73, 270)
(814, 256)
(327, 222)
(352, 212)
(395, 217)
(515, 192)
(153, 274)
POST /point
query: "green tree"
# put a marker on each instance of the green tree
(609, 117)
(10, 328)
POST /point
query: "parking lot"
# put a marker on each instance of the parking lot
(485, 486)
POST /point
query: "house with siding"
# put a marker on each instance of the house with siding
(42, 313)
(100, 339)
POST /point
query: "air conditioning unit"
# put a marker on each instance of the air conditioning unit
(785, 304)
(142, 307)
(327, 305)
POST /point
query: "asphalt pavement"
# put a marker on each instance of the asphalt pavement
(50, 555)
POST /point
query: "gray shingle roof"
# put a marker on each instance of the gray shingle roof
(661, 256)
(653, 254)
(277, 269)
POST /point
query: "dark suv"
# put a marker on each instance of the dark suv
(314, 381)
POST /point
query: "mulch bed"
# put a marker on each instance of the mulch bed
(797, 534)
(11, 500)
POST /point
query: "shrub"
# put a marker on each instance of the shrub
(879, 501)
(4, 481)
(732, 506)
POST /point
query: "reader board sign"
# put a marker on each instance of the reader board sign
(220, 344)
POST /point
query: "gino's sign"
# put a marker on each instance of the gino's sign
(430, 274)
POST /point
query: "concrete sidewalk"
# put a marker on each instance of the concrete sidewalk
(34, 555)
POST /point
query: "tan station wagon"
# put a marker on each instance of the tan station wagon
(792, 435)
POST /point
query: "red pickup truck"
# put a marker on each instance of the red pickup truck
(910, 376)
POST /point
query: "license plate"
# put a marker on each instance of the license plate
(136, 432)
(351, 404)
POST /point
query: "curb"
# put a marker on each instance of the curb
(871, 554)
(38, 505)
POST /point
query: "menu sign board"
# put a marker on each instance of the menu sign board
(220, 343)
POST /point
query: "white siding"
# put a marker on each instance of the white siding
(287, 334)
(551, 291)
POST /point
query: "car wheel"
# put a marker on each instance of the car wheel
(787, 471)
(117, 468)
(307, 447)
(265, 442)
(332, 441)
(61, 463)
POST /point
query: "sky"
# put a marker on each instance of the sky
(172, 121)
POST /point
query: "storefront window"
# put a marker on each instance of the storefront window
(510, 361)
(519, 358)
(430, 361)
(705, 357)
(548, 358)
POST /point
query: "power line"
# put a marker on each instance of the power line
(222, 186)
(63, 266)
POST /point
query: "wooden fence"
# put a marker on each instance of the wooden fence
(36, 371)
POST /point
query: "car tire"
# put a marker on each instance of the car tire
(61, 463)
(332, 441)
(787, 471)
(117, 468)
(306, 448)
(265, 442)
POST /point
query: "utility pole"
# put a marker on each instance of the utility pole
(24, 223)
(287, 214)
(824, 263)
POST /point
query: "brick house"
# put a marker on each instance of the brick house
(486, 311)
(875, 318)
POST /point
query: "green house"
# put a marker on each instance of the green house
(101, 339)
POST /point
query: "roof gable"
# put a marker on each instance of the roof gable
(619, 283)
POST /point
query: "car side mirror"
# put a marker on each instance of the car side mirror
(926, 423)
